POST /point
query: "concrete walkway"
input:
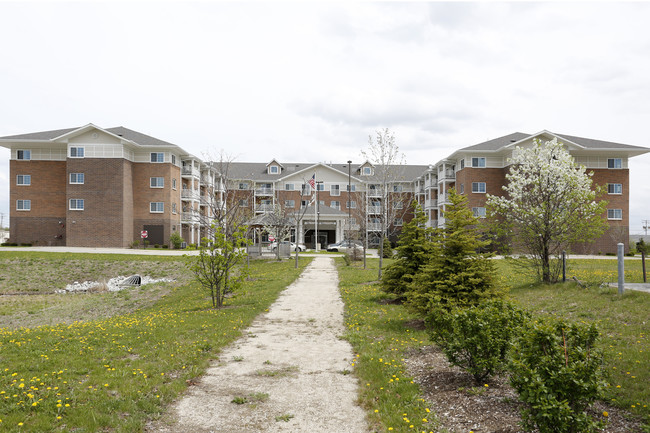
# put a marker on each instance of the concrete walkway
(291, 368)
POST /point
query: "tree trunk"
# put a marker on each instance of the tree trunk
(381, 252)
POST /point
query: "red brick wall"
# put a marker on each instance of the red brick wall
(45, 223)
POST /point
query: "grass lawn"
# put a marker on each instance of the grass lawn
(109, 371)
(382, 333)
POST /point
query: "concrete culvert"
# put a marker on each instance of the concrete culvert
(134, 280)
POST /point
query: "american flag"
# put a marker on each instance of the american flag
(312, 181)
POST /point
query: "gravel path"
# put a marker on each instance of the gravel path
(289, 373)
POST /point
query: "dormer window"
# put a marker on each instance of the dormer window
(366, 171)
(274, 169)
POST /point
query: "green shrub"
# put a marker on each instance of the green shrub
(156, 246)
(25, 244)
(165, 246)
(176, 240)
(346, 258)
(135, 244)
(388, 249)
(477, 339)
(556, 369)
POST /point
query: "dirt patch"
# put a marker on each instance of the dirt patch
(461, 405)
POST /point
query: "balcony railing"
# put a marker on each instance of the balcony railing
(190, 195)
(373, 227)
(374, 193)
(264, 191)
(264, 208)
(374, 209)
(190, 171)
(430, 203)
(450, 175)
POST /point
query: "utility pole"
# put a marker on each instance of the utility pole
(646, 225)
(349, 201)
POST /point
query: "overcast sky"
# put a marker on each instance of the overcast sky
(304, 82)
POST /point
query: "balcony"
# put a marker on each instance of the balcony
(374, 209)
(432, 223)
(190, 171)
(264, 191)
(374, 227)
(189, 218)
(373, 192)
(264, 208)
(188, 194)
(430, 203)
(449, 175)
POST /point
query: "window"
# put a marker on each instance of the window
(290, 204)
(23, 179)
(335, 204)
(351, 204)
(478, 187)
(304, 204)
(23, 205)
(173, 159)
(24, 154)
(367, 171)
(157, 182)
(614, 214)
(462, 188)
(321, 202)
(288, 187)
(76, 204)
(243, 203)
(462, 163)
(273, 169)
(351, 188)
(306, 189)
(398, 205)
(77, 178)
(398, 221)
(397, 188)
(478, 162)
(614, 163)
(157, 157)
(174, 183)
(156, 207)
(243, 185)
(320, 187)
(479, 212)
(174, 208)
(76, 152)
(335, 190)
(614, 188)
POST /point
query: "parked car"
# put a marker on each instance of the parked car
(294, 247)
(344, 246)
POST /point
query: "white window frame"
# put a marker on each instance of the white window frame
(321, 202)
(351, 204)
(26, 179)
(243, 186)
(243, 202)
(335, 190)
(476, 187)
(398, 205)
(274, 169)
(304, 203)
(173, 159)
(20, 205)
(462, 163)
(155, 159)
(320, 187)
(366, 171)
(614, 164)
(398, 221)
(25, 152)
(462, 188)
(305, 189)
(77, 152)
(174, 183)
(174, 211)
(615, 188)
(76, 204)
(289, 187)
(351, 188)
(479, 212)
(479, 160)
(398, 188)
(153, 182)
(155, 204)
(335, 204)
(612, 214)
(76, 179)
(290, 204)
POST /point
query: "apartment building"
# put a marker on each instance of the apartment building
(95, 187)
(481, 169)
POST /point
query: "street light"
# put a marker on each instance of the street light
(318, 182)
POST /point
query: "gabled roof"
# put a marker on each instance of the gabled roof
(276, 162)
(119, 131)
(517, 137)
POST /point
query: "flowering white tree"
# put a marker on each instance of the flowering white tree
(551, 204)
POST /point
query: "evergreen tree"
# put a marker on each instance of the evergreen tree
(456, 275)
(413, 251)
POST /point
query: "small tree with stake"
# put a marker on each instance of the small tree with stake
(214, 267)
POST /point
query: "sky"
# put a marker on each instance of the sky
(311, 81)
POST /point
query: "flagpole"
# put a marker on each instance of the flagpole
(316, 220)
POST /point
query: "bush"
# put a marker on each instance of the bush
(156, 246)
(477, 338)
(346, 258)
(25, 244)
(135, 245)
(556, 370)
(9, 244)
(165, 246)
(176, 240)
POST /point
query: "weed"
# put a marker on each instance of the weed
(286, 417)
